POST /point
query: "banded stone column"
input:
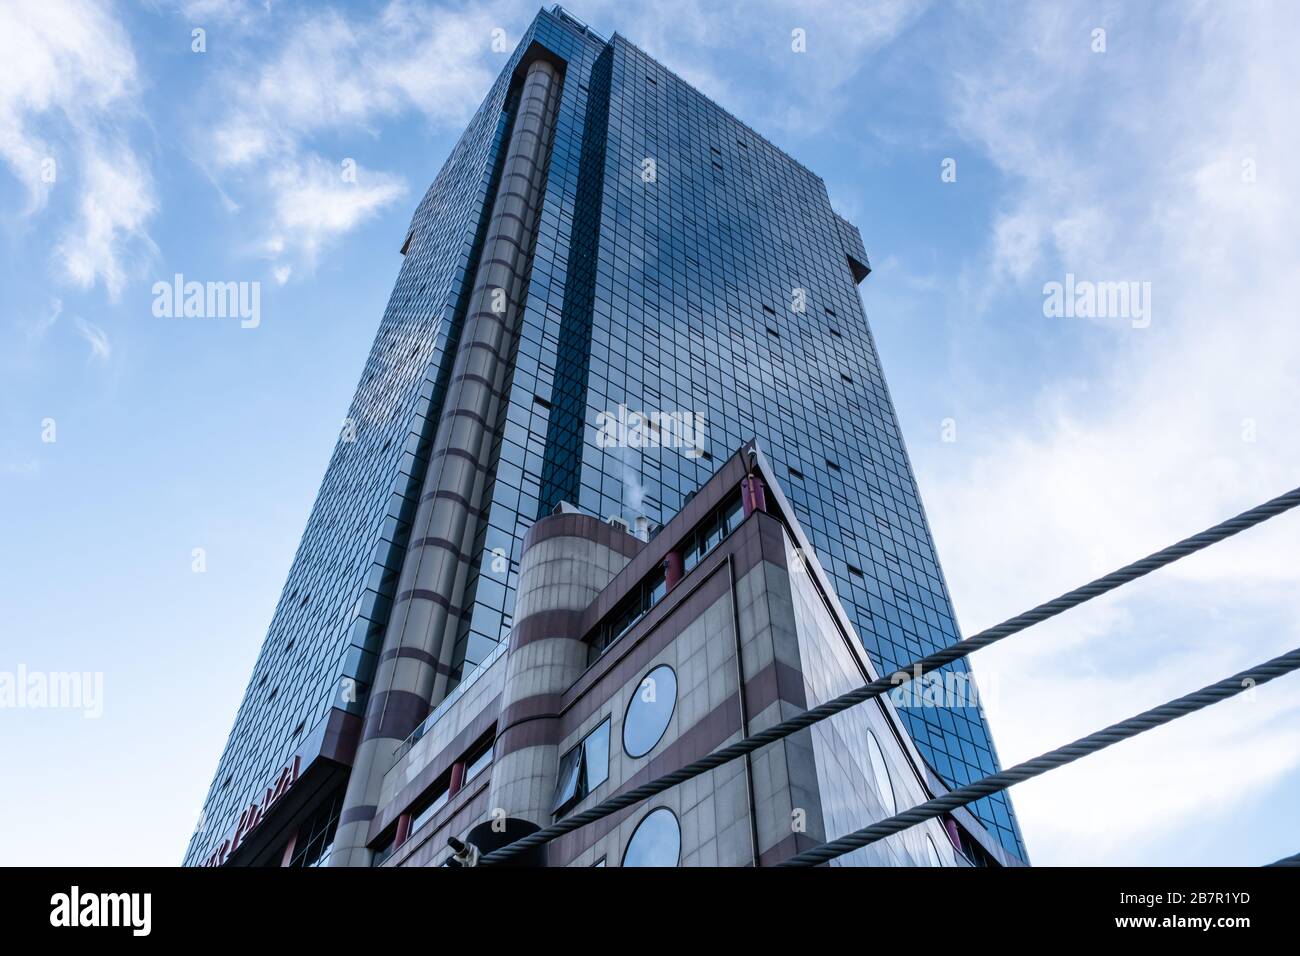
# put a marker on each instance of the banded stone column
(567, 560)
(414, 663)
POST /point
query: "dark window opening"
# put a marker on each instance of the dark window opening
(316, 835)
(583, 768)
(479, 761)
(427, 807)
(707, 535)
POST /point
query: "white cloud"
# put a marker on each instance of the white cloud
(96, 338)
(313, 203)
(1127, 166)
(68, 83)
(116, 200)
(240, 12)
(38, 328)
(338, 74)
(770, 86)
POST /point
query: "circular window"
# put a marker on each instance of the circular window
(649, 711)
(657, 840)
(932, 851)
(880, 770)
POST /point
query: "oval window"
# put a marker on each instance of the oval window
(657, 840)
(880, 770)
(649, 711)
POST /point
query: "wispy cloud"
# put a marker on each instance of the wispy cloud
(340, 75)
(68, 84)
(37, 328)
(778, 81)
(96, 338)
(1145, 435)
(240, 12)
(313, 203)
(116, 201)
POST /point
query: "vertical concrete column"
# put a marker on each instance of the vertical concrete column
(567, 561)
(413, 666)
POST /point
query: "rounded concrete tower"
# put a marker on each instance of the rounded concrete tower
(567, 560)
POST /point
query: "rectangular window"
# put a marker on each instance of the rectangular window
(711, 535)
(583, 769)
(734, 515)
(478, 764)
(655, 587)
(430, 809)
(384, 852)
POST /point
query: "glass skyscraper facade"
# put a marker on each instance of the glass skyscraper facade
(681, 265)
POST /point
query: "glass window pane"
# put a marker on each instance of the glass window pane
(735, 515)
(714, 532)
(649, 711)
(567, 785)
(583, 768)
(657, 840)
(478, 765)
(597, 762)
(428, 812)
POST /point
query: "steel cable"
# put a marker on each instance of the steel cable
(1125, 729)
(880, 686)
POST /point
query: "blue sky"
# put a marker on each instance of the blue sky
(1079, 443)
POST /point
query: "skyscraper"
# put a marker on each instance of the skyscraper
(611, 285)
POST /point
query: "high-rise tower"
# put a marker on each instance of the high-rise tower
(611, 286)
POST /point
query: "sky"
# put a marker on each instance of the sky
(156, 472)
